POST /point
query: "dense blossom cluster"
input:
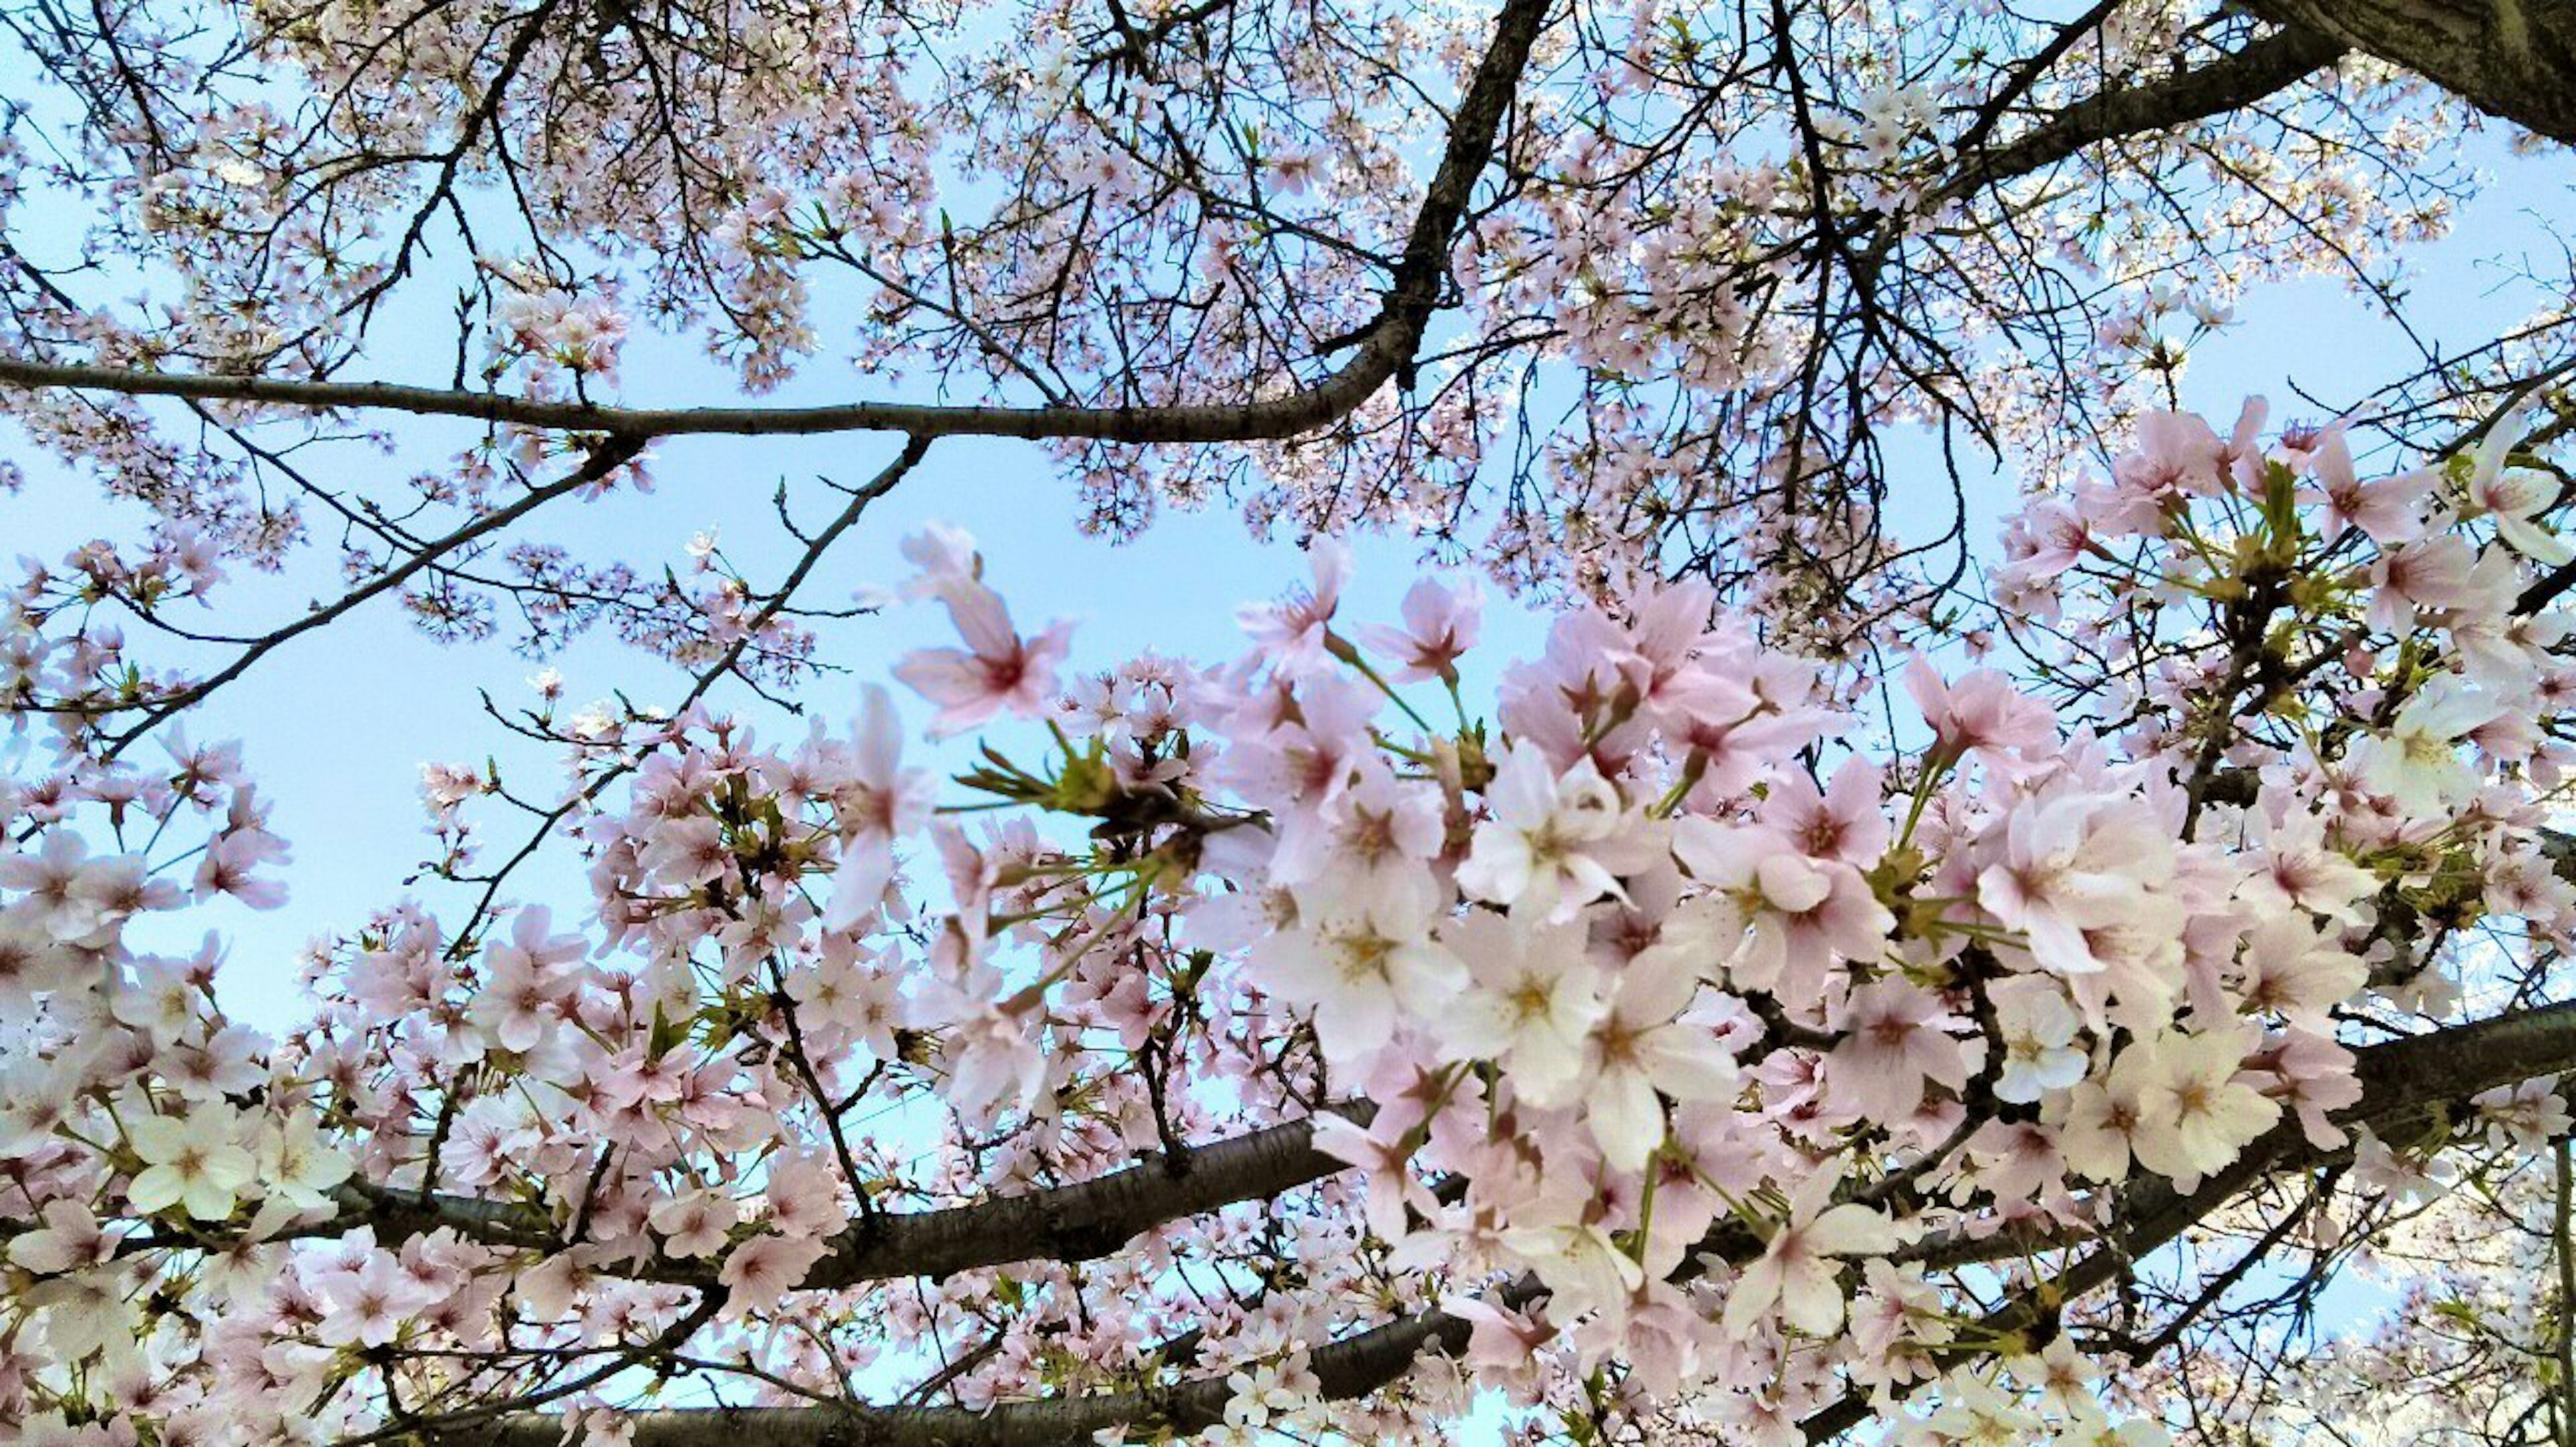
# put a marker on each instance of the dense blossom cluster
(1688, 1039)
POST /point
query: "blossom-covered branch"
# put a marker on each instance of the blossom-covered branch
(1676, 1039)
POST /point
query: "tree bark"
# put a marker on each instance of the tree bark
(2509, 58)
(2263, 68)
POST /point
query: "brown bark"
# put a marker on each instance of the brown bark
(2262, 68)
(2509, 58)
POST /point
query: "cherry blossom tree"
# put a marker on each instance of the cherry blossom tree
(1844, 985)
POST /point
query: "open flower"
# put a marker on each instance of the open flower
(1978, 712)
(757, 1273)
(1895, 1038)
(1796, 1274)
(1440, 624)
(875, 801)
(1292, 631)
(2074, 867)
(368, 1306)
(299, 1167)
(2291, 969)
(1773, 919)
(694, 1223)
(1641, 1051)
(2417, 761)
(2040, 1053)
(2196, 1106)
(2515, 496)
(192, 1162)
(1555, 843)
(998, 671)
(2389, 509)
(1531, 1005)
(69, 1241)
(1359, 969)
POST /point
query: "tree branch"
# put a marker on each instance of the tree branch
(2398, 1077)
(2509, 58)
(1083, 1221)
(2260, 69)
(1386, 348)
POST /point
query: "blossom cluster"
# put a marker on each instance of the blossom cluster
(1701, 1040)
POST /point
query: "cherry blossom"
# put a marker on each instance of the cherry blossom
(1795, 1273)
(193, 1163)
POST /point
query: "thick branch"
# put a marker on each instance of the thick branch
(1087, 1220)
(1385, 349)
(2509, 58)
(2262, 68)
(1079, 1222)
(2398, 1077)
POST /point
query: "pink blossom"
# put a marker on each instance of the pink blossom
(760, 1272)
(1796, 1276)
(2433, 573)
(875, 801)
(1360, 967)
(1896, 1037)
(1979, 712)
(1642, 1049)
(1533, 1002)
(1440, 625)
(998, 671)
(1291, 633)
(1844, 821)
(1555, 842)
(2389, 509)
